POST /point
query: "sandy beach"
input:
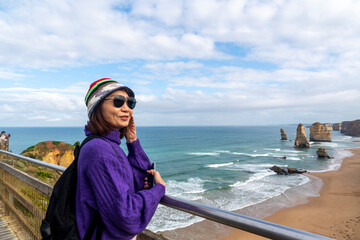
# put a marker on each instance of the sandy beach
(330, 207)
(336, 213)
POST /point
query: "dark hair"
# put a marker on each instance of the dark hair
(97, 123)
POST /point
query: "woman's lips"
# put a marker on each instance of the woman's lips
(124, 118)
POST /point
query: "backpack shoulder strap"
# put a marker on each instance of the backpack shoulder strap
(96, 222)
(87, 139)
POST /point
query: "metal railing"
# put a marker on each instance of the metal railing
(242, 222)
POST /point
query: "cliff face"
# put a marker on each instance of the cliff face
(54, 152)
(351, 128)
(344, 126)
(283, 135)
(318, 132)
(337, 126)
(301, 140)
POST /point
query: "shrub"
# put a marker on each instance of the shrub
(44, 174)
(28, 149)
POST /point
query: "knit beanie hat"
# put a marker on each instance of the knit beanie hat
(100, 89)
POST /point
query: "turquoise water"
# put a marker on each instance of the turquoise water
(224, 167)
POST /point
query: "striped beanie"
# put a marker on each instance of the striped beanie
(100, 89)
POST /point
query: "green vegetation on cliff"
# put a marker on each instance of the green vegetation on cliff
(41, 149)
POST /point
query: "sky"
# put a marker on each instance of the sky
(190, 62)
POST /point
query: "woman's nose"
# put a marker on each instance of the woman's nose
(125, 108)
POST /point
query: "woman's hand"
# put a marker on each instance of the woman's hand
(157, 178)
(130, 131)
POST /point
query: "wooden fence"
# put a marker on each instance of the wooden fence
(25, 197)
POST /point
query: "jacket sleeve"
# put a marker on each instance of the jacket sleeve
(123, 212)
(139, 162)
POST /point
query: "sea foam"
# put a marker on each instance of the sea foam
(219, 165)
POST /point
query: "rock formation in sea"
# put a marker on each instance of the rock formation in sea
(301, 140)
(54, 152)
(328, 126)
(337, 126)
(286, 170)
(318, 132)
(283, 135)
(322, 153)
(351, 128)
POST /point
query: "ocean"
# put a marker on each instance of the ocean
(223, 167)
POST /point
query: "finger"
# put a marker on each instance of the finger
(151, 171)
(131, 122)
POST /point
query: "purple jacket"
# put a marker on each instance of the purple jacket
(114, 186)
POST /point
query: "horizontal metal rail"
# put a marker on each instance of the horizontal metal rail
(41, 163)
(246, 223)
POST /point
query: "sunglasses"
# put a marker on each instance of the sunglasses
(119, 101)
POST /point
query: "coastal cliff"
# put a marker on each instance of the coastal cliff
(301, 140)
(318, 132)
(351, 128)
(54, 152)
(344, 126)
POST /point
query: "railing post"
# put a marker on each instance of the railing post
(6, 196)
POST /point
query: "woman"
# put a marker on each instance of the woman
(109, 182)
(3, 137)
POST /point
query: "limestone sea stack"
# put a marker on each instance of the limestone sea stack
(328, 126)
(301, 140)
(318, 132)
(283, 135)
(337, 126)
(322, 153)
(351, 128)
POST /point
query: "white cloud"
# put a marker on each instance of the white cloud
(11, 75)
(181, 101)
(6, 108)
(289, 33)
(166, 11)
(54, 120)
(173, 66)
(38, 118)
(312, 48)
(48, 34)
(36, 106)
(267, 106)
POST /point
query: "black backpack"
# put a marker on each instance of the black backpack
(60, 219)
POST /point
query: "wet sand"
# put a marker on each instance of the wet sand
(334, 213)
